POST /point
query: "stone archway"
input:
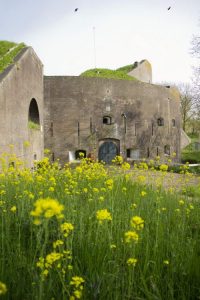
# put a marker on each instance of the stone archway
(108, 150)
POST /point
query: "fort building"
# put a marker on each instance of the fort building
(99, 117)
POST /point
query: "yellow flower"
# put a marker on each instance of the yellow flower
(3, 288)
(181, 202)
(131, 236)
(48, 208)
(103, 215)
(143, 193)
(113, 246)
(165, 262)
(101, 198)
(133, 206)
(45, 272)
(51, 258)
(163, 168)
(77, 281)
(124, 189)
(132, 261)
(126, 166)
(66, 228)
(137, 222)
(109, 183)
(51, 189)
(57, 243)
(77, 294)
(13, 209)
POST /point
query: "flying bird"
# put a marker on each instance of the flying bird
(76, 9)
(169, 8)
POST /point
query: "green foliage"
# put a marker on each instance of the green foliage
(192, 157)
(67, 232)
(33, 125)
(107, 73)
(5, 46)
(128, 68)
(7, 54)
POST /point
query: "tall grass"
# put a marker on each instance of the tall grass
(93, 255)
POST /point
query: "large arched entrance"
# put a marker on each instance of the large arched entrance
(108, 150)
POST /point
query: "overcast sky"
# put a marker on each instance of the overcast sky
(105, 33)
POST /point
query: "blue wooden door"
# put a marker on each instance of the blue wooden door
(107, 152)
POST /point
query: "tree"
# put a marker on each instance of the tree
(187, 104)
(195, 51)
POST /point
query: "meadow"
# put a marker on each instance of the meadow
(91, 232)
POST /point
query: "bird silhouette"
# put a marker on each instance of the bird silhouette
(169, 8)
(76, 9)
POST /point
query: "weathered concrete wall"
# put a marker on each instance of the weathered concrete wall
(142, 71)
(74, 109)
(18, 86)
(185, 140)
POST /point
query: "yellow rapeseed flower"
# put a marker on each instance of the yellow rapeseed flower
(131, 236)
(103, 215)
(13, 209)
(57, 243)
(166, 262)
(77, 281)
(143, 193)
(48, 208)
(3, 288)
(66, 228)
(132, 261)
(137, 222)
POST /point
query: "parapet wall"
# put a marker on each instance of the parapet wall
(142, 71)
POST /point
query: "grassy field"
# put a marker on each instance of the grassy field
(91, 232)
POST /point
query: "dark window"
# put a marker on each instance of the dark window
(80, 154)
(148, 152)
(173, 123)
(35, 156)
(157, 151)
(107, 120)
(34, 112)
(128, 153)
(160, 122)
(167, 149)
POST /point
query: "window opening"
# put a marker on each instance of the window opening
(160, 122)
(107, 120)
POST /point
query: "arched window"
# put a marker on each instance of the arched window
(173, 123)
(160, 122)
(33, 114)
(107, 120)
(167, 149)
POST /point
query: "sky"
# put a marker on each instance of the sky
(106, 34)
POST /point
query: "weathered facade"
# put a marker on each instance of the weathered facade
(99, 117)
(21, 101)
(103, 118)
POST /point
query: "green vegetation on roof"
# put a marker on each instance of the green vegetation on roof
(128, 68)
(107, 73)
(8, 51)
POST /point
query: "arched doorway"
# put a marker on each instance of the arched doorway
(107, 151)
